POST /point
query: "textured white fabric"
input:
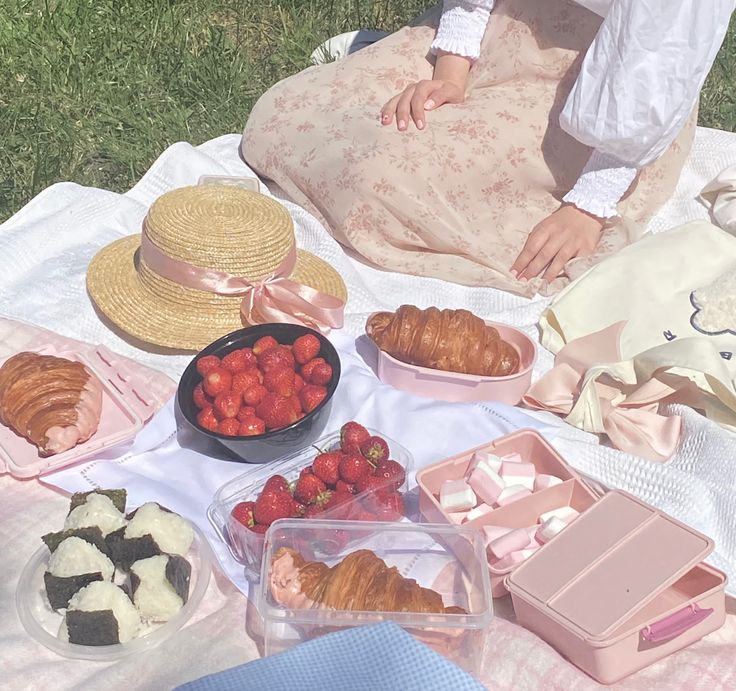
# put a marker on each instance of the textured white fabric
(66, 224)
(601, 185)
(461, 28)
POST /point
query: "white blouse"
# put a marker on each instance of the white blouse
(639, 81)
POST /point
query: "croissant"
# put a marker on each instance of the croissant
(361, 582)
(450, 340)
(53, 402)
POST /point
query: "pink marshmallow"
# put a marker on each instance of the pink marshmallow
(457, 517)
(514, 558)
(565, 513)
(518, 474)
(551, 527)
(492, 532)
(543, 481)
(486, 483)
(477, 512)
(494, 462)
(512, 493)
(511, 542)
(512, 458)
(457, 495)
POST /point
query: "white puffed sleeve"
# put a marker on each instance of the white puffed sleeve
(461, 28)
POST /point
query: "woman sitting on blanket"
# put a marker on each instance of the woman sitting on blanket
(505, 147)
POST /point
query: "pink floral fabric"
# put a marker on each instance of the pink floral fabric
(457, 200)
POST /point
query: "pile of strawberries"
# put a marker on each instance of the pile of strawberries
(254, 390)
(358, 481)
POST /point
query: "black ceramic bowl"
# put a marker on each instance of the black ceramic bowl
(261, 448)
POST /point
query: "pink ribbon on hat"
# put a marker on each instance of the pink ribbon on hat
(630, 418)
(272, 299)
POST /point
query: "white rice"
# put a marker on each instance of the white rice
(155, 597)
(74, 557)
(172, 533)
(100, 596)
(97, 511)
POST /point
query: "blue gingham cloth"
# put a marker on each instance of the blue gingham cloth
(382, 657)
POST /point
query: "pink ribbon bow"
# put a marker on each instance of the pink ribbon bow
(629, 418)
(272, 299)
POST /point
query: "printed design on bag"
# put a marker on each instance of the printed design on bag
(669, 336)
(715, 306)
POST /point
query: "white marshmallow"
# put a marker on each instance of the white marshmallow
(512, 493)
(549, 529)
(518, 474)
(492, 461)
(477, 512)
(512, 458)
(543, 481)
(493, 532)
(457, 495)
(514, 558)
(511, 542)
(486, 483)
(457, 517)
(564, 513)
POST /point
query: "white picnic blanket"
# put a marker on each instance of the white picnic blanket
(48, 244)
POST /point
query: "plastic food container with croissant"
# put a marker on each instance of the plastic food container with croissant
(463, 336)
(432, 580)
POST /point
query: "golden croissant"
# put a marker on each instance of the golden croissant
(360, 582)
(450, 340)
(53, 402)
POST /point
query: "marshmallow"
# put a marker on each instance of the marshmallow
(564, 513)
(457, 495)
(513, 458)
(494, 462)
(458, 517)
(512, 493)
(543, 481)
(493, 532)
(549, 529)
(518, 474)
(514, 558)
(511, 542)
(477, 512)
(486, 483)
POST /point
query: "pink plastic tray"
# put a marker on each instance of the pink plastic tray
(621, 587)
(453, 386)
(124, 411)
(532, 447)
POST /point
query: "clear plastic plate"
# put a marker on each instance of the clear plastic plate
(42, 623)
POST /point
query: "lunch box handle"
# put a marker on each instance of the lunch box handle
(675, 624)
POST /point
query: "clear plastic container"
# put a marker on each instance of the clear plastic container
(42, 623)
(448, 559)
(245, 545)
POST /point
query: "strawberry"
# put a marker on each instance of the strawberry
(263, 344)
(275, 411)
(246, 411)
(313, 511)
(309, 488)
(276, 357)
(276, 483)
(298, 383)
(206, 363)
(308, 368)
(363, 515)
(392, 472)
(326, 467)
(345, 487)
(259, 528)
(374, 484)
(200, 398)
(206, 419)
(246, 379)
(306, 348)
(251, 427)
(338, 505)
(243, 513)
(311, 396)
(217, 380)
(227, 405)
(253, 395)
(391, 507)
(280, 380)
(375, 449)
(270, 506)
(229, 426)
(306, 471)
(235, 361)
(352, 435)
(251, 359)
(321, 374)
(353, 467)
(296, 404)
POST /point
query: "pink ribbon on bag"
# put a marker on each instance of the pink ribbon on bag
(630, 420)
(272, 299)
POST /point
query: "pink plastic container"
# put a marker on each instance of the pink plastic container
(621, 587)
(533, 448)
(125, 408)
(453, 386)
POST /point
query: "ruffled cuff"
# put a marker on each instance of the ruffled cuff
(461, 29)
(601, 185)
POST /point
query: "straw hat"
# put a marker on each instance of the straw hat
(217, 247)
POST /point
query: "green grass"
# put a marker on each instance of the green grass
(94, 90)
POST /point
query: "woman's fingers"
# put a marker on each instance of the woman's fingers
(419, 100)
(389, 110)
(403, 108)
(565, 254)
(444, 94)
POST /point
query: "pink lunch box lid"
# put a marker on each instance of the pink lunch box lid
(125, 408)
(607, 564)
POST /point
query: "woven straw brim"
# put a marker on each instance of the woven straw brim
(174, 316)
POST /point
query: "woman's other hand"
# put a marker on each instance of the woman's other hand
(562, 236)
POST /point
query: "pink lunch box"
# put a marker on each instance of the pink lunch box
(532, 447)
(621, 587)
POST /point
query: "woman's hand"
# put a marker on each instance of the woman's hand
(566, 234)
(413, 101)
